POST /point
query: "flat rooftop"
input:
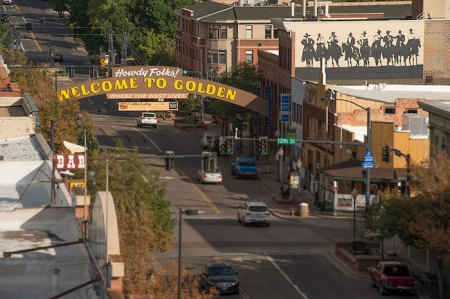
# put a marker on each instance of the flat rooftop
(389, 93)
(20, 149)
(29, 275)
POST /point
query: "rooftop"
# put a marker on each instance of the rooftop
(24, 148)
(216, 12)
(389, 93)
(437, 107)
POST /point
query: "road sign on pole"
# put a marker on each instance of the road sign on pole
(368, 156)
(368, 164)
(288, 141)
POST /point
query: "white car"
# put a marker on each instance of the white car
(147, 119)
(7, 2)
(254, 212)
(209, 176)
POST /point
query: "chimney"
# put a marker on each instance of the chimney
(292, 9)
(55, 281)
(304, 8)
(315, 8)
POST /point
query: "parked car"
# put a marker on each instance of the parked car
(207, 141)
(7, 2)
(58, 57)
(254, 212)
(147, 119)
(244, 167)
(209, 176)
(5, 18)
(221, 276)
(392, 276)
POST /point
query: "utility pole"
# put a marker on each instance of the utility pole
(124, 48)
(179, 252)
(368, 149)
(111, 49)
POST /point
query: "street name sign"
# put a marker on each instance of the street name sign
(289, 141)
(368, 156)
(368, 164)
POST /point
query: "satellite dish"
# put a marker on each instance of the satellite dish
(66, 172)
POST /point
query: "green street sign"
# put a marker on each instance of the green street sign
(288, 141)
(185, 72)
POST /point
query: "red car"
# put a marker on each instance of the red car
(392, 276)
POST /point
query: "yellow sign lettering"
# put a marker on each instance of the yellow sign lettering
(220, 92)
(83, 90)
(106, 86)
(200, 85)
(121, 84)
(161, 83)
(178, 84)
(210, 89)
(231, 94)
(95, 87)
(190, 86)
(75, 92)
(149, 82)
(133, 83)
(64, 95)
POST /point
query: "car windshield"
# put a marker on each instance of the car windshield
(221, 271)
(257, 209)
(149, 115)
(396, 270)
(247, 163)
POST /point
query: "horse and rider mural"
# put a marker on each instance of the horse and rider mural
(359, 49)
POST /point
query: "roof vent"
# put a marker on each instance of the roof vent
(415, 123)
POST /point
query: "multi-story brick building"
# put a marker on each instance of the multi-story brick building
(217, 36)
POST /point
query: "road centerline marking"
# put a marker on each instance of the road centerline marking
(286, 277)
(36, 42)
(17, 7)
(201, 193)
(148, 138)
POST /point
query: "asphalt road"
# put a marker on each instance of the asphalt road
(286, 260)
(36, 43)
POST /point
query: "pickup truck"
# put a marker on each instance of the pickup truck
(392, 276)
(244, 167)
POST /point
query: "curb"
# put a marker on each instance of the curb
(331, 257)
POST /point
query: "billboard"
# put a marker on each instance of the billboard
(148, 106)
(69, 161)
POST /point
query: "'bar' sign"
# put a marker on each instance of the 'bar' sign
(69, 161)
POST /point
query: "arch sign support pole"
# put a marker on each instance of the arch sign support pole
(159, 82)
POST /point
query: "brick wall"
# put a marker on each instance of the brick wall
(436, 49)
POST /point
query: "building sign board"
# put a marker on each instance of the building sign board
(284, 102)
(149, 81)
(69, 161)
(148, 106)
(284, 117)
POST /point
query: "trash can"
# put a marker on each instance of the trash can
(304, 209)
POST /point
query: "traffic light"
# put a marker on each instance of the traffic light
(226, 145)
(364, 175)
(170, 160)
(386, 150)
(263, 145)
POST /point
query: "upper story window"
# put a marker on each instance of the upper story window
(411, 111)
(217, 56)
(249, 31)
(249, 56)
(389, 110)
(217, 31)
(275, 32)
(268, 32)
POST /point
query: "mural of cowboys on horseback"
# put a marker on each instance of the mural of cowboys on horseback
(308, 50)
(413, 45)
(387, 51)
(350, 51)
(375, 49)
(364, 48)
(334, 50)
(321, 50)
(400, 49)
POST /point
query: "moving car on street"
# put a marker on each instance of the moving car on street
(5, 18)
(58, 57)
(147, 119)
(392, 276)
(7, 2)
(209, 176)
(244, 167)
(221, 276)
(254, 212)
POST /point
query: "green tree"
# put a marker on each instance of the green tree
(158, 49)
(60, 6)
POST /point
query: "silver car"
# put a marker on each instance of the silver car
(147, 119)
(254, 212)
(209, 176)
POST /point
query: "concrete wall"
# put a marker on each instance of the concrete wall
(436, 9)
(16, 126)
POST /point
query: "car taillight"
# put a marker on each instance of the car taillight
(248, 213)
(204, 175)
(154, 117)
(220, 176)
(142, 117)
(267, 214)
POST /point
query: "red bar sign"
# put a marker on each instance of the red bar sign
(69, 161)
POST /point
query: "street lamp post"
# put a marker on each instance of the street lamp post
(354, 194)
(368, 143)
(179, 252)
(277, 134)
(280, 154)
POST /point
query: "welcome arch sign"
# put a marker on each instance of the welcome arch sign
(159, 82)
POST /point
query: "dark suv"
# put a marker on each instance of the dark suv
(5, 17)
(222, 277)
